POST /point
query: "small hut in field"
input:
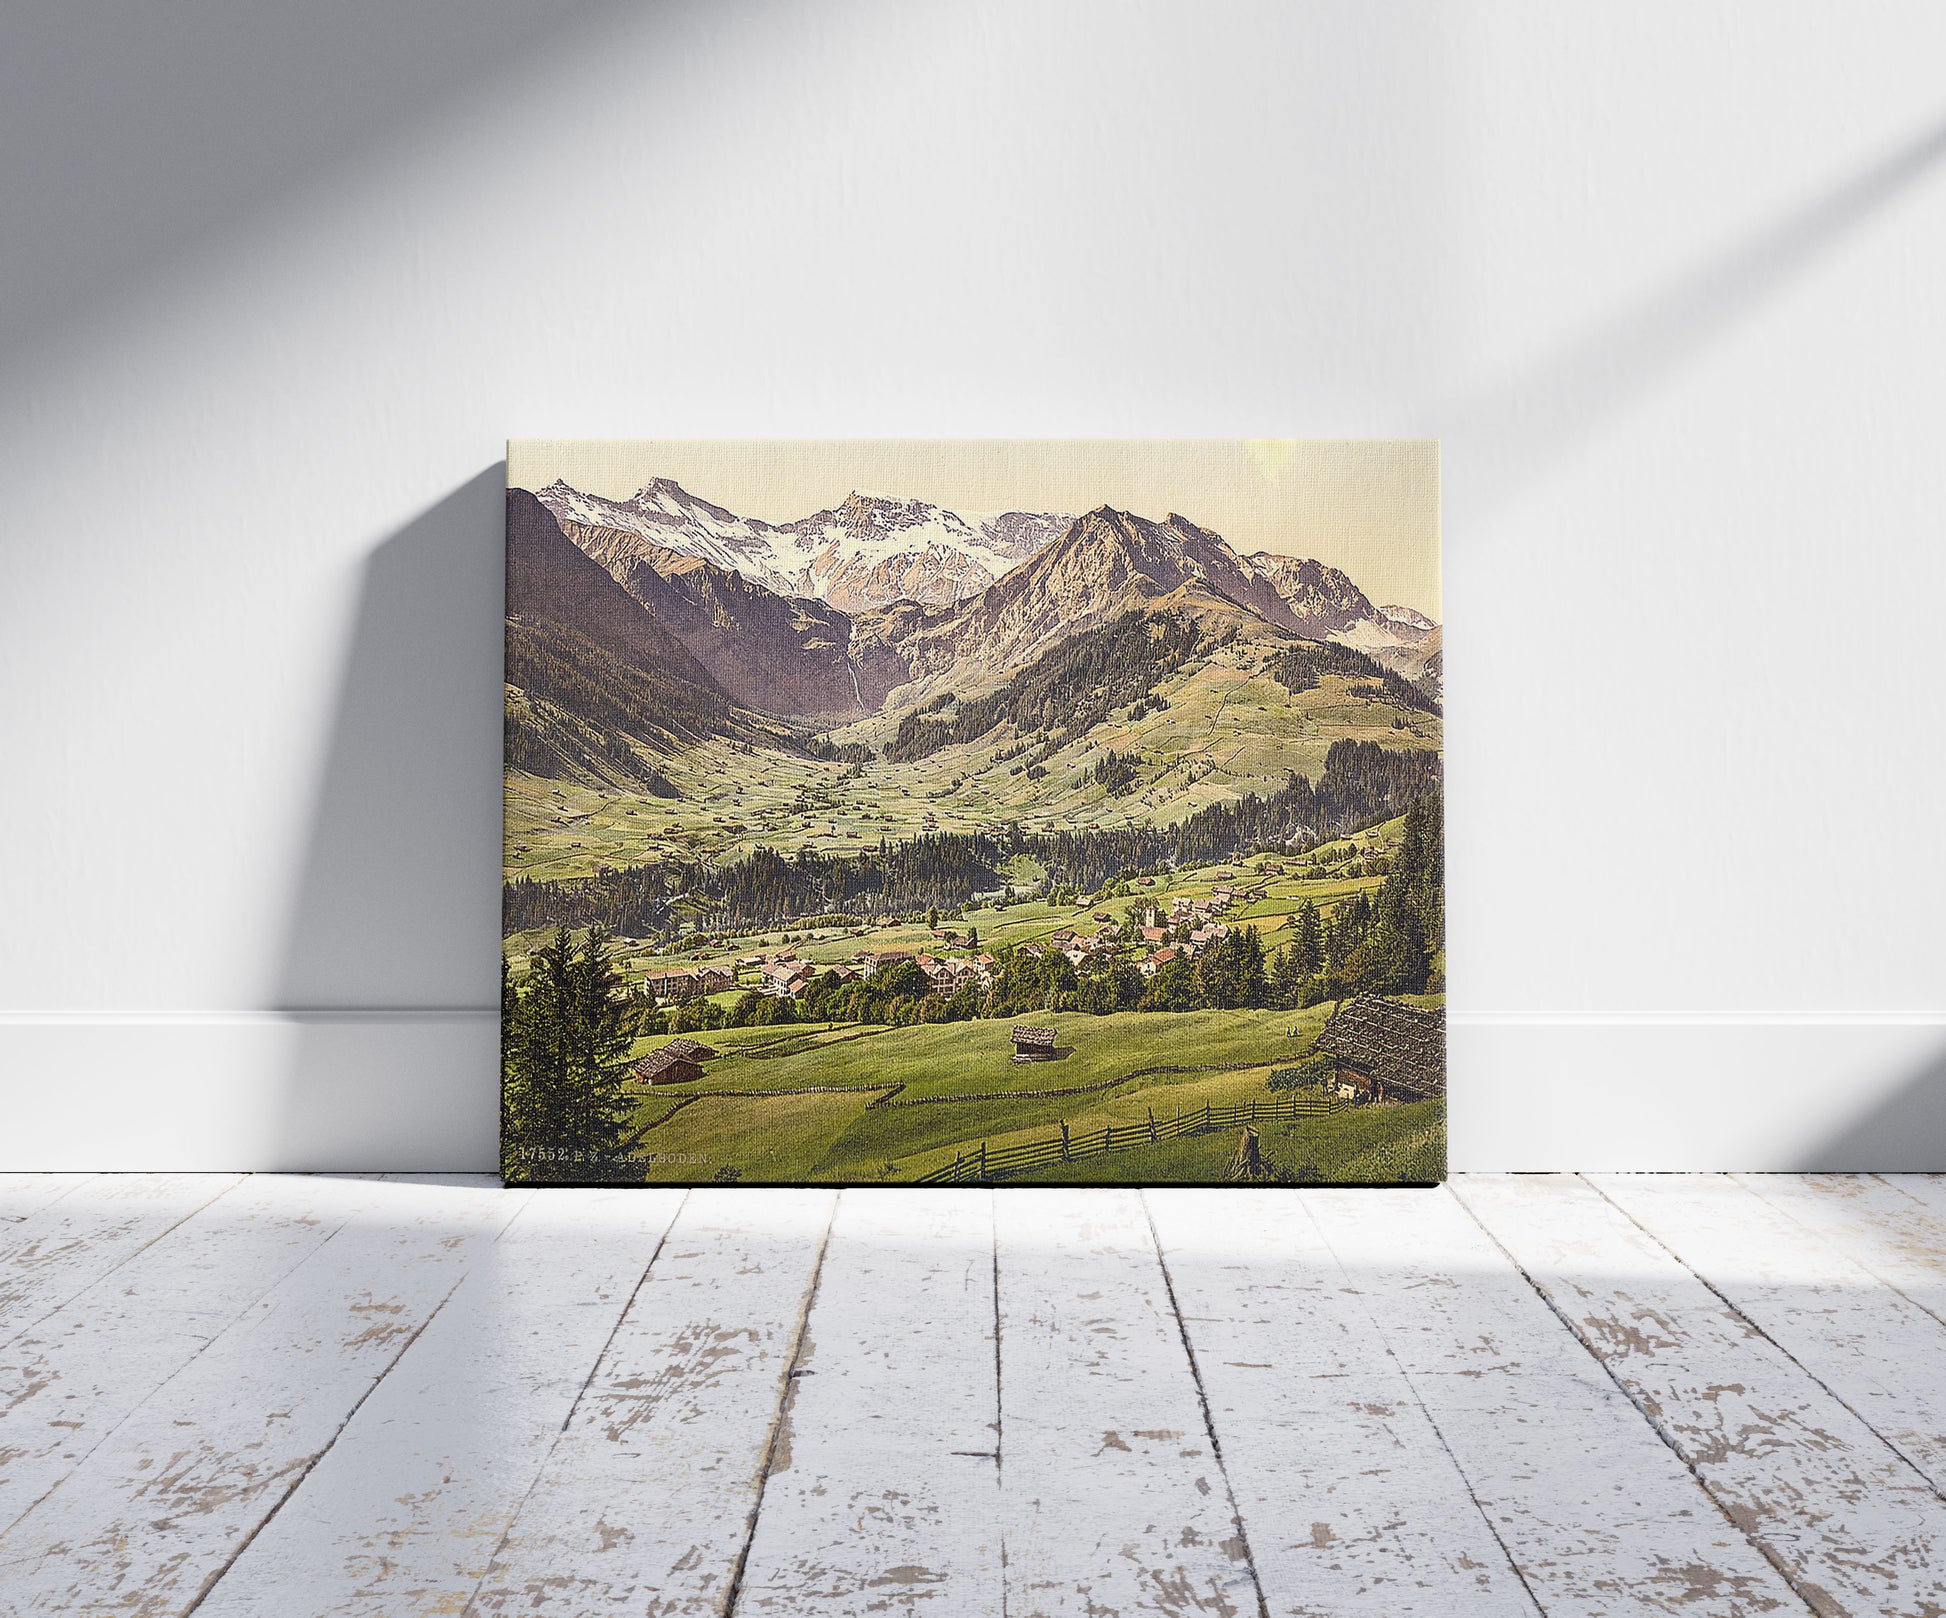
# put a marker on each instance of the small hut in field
(1386, 1051)
(1033, 1044)
(679, 1062)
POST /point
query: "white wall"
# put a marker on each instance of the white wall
(1664, 277)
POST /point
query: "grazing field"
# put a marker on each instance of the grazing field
(900, 1102)
(1386, 1144)
(776, 1139)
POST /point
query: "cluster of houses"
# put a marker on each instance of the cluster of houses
(686, 983)
(1186, 926)
(944, 972)
(1198, 916)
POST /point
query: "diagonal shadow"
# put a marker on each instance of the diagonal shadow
(1904, 1135)
(134, 136)
(1521, 428)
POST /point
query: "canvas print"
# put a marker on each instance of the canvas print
(973, 813)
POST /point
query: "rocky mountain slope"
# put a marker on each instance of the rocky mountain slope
(1108, 562)
(886, 605)
(783, 654)
(1326, 605)
(587, 666)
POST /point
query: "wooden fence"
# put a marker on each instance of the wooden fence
(1004, 1162)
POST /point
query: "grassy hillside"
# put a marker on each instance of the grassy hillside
(1228, 728)
(960, 1088)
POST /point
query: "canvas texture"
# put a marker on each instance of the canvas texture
(973, 813)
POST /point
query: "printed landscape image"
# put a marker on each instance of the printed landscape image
(1056, 813)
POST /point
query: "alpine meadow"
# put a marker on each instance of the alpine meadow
(1067, 813)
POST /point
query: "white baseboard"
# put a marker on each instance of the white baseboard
(381, 1090)
(250, 1090)
(1757, 1092)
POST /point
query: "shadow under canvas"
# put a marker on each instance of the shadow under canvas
(390, 960)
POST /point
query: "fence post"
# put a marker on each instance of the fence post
(1151, 1123)
(1065, 1157)
(1108, 1138)
(1206, 1117)
(983, 1160)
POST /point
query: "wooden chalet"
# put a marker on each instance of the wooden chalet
(679, 1062)
(1033, 1044)
(1386, 1051)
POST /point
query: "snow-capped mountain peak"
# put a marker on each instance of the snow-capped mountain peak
(868, 550)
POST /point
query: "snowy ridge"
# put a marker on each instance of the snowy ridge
(868, 551)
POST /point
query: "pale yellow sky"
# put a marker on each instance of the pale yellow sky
(1369, 506)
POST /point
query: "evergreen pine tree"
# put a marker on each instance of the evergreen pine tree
(1286, 978)
(1309, 944)
(565, 1064)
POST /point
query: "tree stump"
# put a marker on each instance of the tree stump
(1248, 1164)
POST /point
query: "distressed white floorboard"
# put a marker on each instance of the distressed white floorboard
(1113, 1500)
(883, 1494)
(1854, 1525)
(403, 1514)
(157, 1510)
(22, 1194)
(1876, 1351)
(1929, 1189)
(1894, 1224)
(645, 1504)
(73, 1377)
(64, 1246)
(308, 1396)
(1350, 1501)
(1598, 1515)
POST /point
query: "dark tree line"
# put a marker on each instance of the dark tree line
(1384, 942)
(1071, 688)
(936, 871)
(1299, 667)
(1225, 975)
(1362, 783)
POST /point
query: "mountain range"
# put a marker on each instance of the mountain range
(868, 551)
(882, 603)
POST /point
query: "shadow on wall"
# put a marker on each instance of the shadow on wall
(1904, 1132)
(1515, 433)
(136, 139)
(390, 963)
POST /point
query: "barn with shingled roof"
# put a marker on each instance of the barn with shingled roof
(1386, 1050)
(678, 1062)
(1033, 1044)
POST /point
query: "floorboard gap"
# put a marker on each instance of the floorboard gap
(1202, 1401)
(1817, 1609)
(780, 1424)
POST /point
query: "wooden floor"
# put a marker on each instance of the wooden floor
(1565, 1395)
